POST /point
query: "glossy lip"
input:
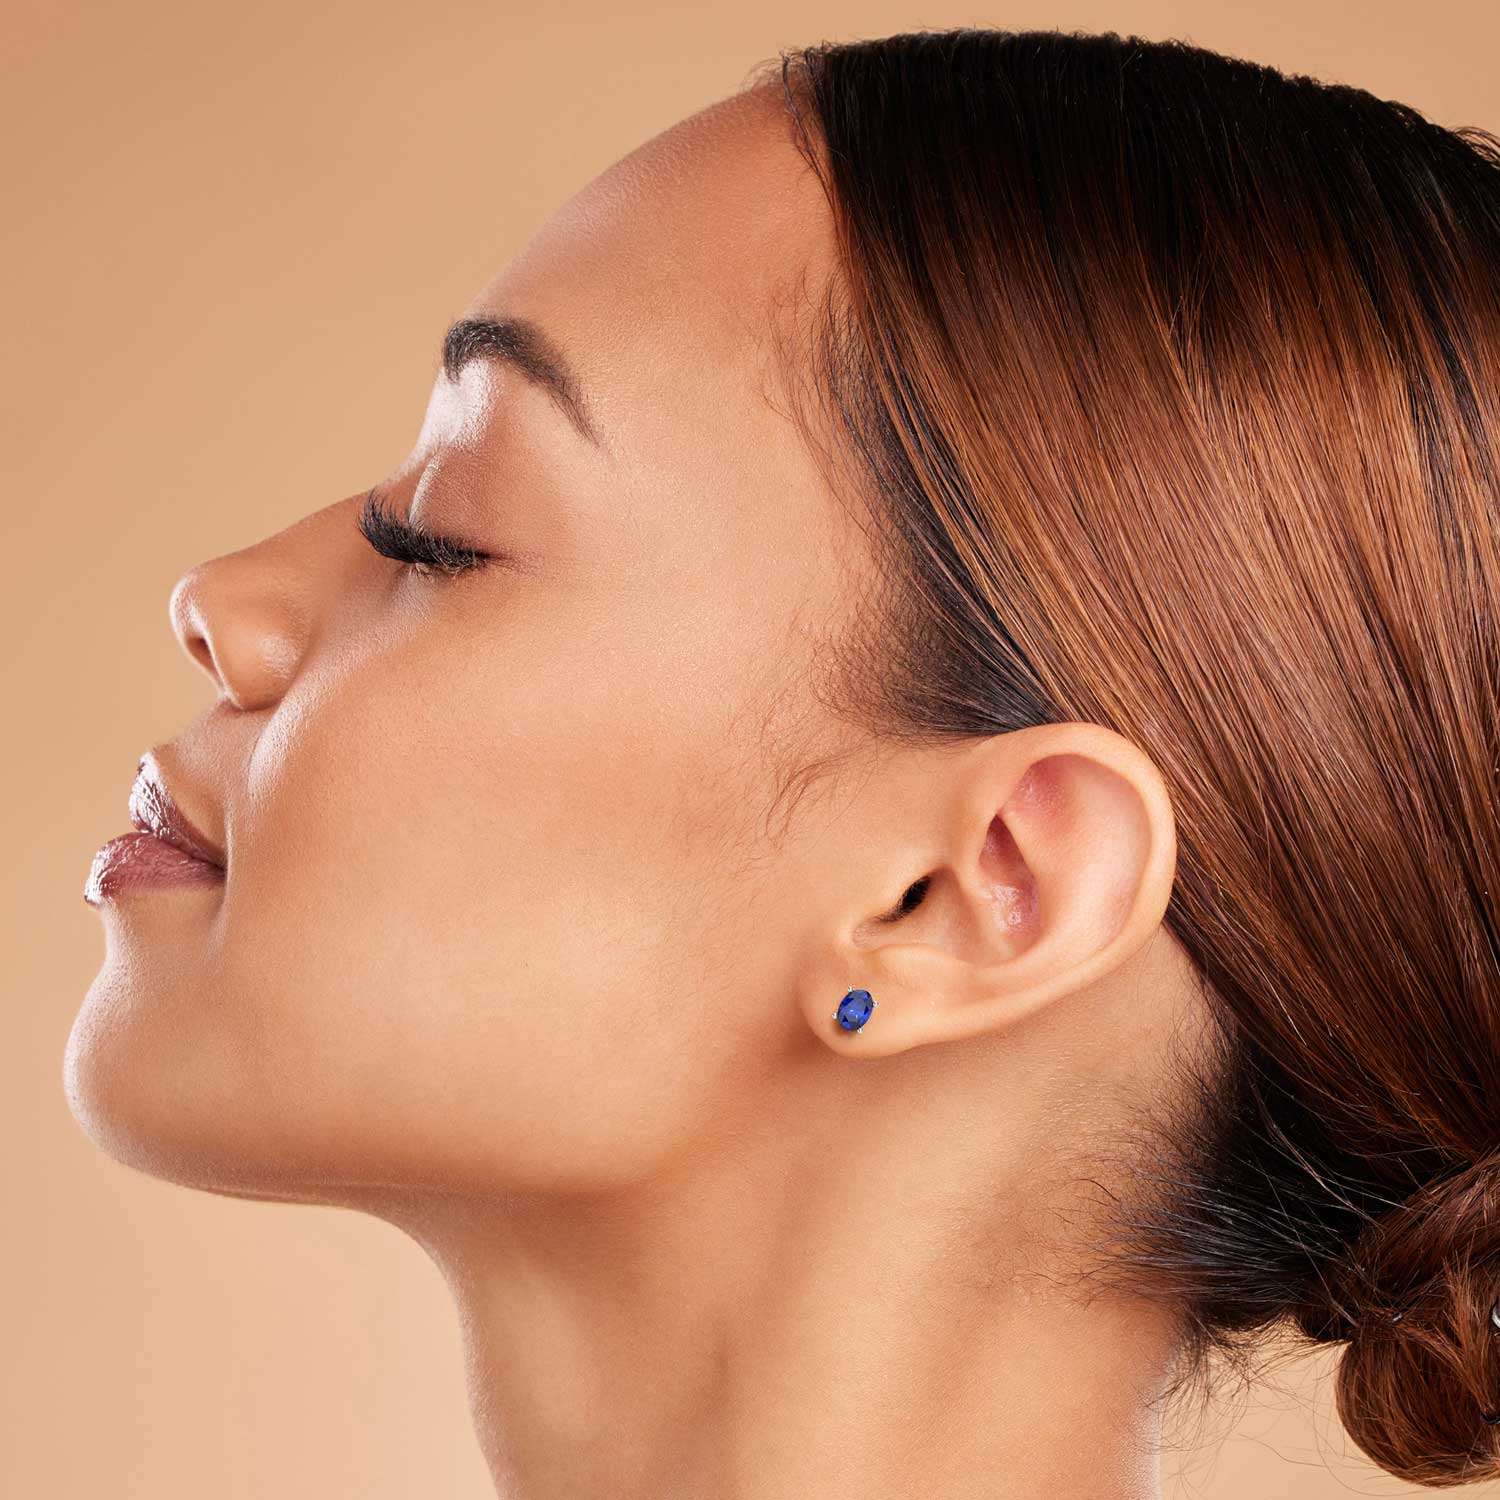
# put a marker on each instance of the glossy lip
(153, 810)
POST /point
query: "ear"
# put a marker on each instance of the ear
(1048, 854)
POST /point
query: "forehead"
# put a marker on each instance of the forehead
(666, 276)
(704, 534)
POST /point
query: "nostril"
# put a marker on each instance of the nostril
(187, 620)
(201, 652)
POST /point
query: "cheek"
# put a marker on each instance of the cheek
(461, 944)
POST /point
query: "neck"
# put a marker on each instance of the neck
(764, 1334)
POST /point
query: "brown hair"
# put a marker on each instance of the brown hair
(1173, 383)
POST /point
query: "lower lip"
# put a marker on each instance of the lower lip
(136, 861)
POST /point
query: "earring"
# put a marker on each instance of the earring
(854, 1010)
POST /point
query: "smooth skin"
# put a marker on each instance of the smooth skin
(525, 947)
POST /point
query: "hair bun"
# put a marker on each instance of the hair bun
(1415, 1296)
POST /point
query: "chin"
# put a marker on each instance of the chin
(145, 1090)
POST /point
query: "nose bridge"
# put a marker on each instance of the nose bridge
(246, 616)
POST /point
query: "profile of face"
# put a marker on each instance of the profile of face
(494, 911)
(511, 902)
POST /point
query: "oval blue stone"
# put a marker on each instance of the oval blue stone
(854, 1010)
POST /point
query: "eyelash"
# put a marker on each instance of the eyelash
(429, 554)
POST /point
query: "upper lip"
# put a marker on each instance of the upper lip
(153, 810)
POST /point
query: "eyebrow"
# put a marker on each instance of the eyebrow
(528, 348)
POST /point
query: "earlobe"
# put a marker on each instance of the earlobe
(1058, 856)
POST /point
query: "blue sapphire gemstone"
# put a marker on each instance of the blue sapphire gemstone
(854, 1010)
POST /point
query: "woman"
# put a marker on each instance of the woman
(883, 841)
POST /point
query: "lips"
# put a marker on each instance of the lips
(153, 810)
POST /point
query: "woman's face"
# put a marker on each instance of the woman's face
(506, 905)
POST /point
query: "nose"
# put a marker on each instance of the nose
(246, 617)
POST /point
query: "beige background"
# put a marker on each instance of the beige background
(231, 236)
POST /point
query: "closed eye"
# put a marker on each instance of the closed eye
(427, 553)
